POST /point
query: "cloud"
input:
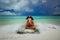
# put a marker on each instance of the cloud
(44, 1)
(27, 9)
(5, 1)
(57, 11)
(16, 4)
(20, 4)
(7, 4)
(7, 13)
(1, 10)
(34, 2)
(8, 1)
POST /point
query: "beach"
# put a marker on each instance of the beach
(48, 26)
(8, 32)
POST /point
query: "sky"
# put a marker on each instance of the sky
(30, 7)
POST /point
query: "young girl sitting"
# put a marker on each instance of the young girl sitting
(30, 23)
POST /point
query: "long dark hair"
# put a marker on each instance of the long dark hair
(30, 17)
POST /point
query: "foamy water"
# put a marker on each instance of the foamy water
(41, 27)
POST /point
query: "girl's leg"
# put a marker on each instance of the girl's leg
(33, 27)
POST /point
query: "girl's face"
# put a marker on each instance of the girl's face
(29, 19)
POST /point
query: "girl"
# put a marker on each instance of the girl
(30, 23)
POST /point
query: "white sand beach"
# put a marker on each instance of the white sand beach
(47, 32)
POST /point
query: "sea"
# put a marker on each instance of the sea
(12, 19)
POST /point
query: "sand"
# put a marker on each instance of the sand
(8, 32)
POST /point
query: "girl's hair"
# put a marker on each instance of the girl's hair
(30, 17)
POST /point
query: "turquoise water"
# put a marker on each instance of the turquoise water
(32, 16)
(22, 19)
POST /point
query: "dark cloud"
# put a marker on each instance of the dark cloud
(32, 7)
